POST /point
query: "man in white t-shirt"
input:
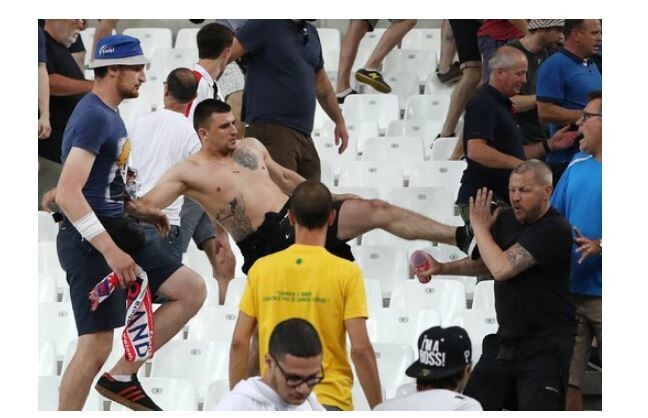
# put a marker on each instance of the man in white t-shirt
(294, 367)
(441, 372)
(159, 140)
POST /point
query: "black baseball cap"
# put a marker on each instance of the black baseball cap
(442, 353)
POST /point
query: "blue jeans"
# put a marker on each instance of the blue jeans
(172, 244)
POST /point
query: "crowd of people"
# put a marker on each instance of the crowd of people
(231, 154)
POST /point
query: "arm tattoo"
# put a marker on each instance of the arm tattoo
(520, 259)
(234, 219)
(247, 159)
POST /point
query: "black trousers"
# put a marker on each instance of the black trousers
(528, 375)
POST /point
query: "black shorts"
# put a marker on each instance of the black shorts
(530, 375)
(276, 234)
(85, 267)
(465, 35)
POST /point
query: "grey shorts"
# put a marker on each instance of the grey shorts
(194, 223)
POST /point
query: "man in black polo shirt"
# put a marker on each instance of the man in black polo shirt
(527, 249)
(492, 139)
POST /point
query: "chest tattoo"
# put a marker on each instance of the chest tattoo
(235, 219)
(247, 159)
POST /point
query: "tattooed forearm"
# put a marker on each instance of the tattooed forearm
(519, 258)
(246, 158)
(234, 219)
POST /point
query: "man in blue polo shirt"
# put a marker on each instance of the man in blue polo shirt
(492, 139)
(566, 78)
(285, 74)
(579, 197)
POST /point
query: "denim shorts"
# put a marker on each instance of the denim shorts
(85, 266)
(171, 244)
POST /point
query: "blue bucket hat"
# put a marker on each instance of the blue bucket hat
(118, 50)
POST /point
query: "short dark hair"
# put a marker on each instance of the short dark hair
(182, 84)
(570, 25)
(294, 336)
(212, 39)
(449, 382)
(204, 110)
(311, 203)
(100, 72)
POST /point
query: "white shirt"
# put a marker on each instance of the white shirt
(254, 395)
(431, 400)
(160, 140)
(205, 89)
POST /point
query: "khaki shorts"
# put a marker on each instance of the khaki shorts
(288, 147)
(589, 312)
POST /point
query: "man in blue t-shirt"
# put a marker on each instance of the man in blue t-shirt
(96, 238)
(285, 74)
(566, 78)
(579, 197)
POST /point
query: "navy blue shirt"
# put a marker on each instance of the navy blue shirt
(536, 301)
(489, 116)
(283, 60)
(95, 127)
(41, 46)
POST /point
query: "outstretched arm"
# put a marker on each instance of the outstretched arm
(170, 186)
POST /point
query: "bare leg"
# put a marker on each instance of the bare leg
(357, 29)
(90, 355)
(358, 216)
(392, 36)
(574, 399)
(224, 267)
(448, 47)
(235, 100)
(185, 292)
(461, 94)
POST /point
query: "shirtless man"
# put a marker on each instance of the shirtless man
(246, 192)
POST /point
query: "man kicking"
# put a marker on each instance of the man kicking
(245, 191)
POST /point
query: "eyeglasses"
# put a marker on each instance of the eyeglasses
(586, 115)
(294, 381)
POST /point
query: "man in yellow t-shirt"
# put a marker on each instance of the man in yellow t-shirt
(306, 281)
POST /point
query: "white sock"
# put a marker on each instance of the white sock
(345, 92)
(121, 377)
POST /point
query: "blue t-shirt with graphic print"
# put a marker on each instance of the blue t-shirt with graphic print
(97, 128)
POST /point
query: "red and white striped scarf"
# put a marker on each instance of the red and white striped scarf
(139, 331)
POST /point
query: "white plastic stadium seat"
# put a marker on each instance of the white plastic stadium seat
(365, 48)
(56, 323)
(47, 362)
(201, 362)
(186, 38)
(235, 290)
(386, 264)
(420, 62)
(373, 289)
(330, 40)
(407, 150)
(381, 108)
(434, 202)
(383, 175)
(361, 130)
(427, 106)
(428, 39)
(47, 288)
(402, 83)
(402, 326)
(168, 393)
(48, 395)
(327, 149)
(442, 148)
(87, 37)
(438, 173)
(484, 297)
(421, 128)
(47, 228)
(478, 323)
(214, 324)
(445, 296)
(151, 38)
(165, 60)
(215, 393)
(393, 360)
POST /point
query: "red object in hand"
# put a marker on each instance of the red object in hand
(420, 263)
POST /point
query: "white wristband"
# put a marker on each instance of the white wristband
(88, 226)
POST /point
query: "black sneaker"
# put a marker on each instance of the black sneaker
(130, 394)
(340, 99)
(374, 79)
(452, 75)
